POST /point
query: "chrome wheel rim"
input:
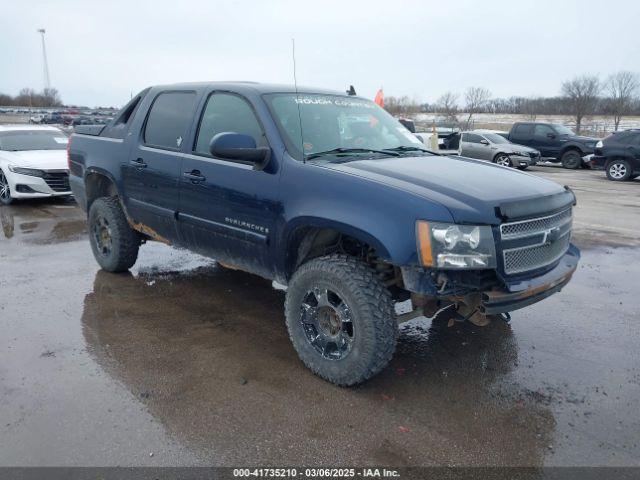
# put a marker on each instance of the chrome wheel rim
(327, 323)
(503, 160)
(5, 192)
(102, 236)
(617, 170)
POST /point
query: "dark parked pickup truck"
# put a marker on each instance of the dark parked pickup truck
(555, 142)
(329, 195)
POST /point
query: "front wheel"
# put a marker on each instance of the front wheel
(503, 159)
(571, 160)
(113, 242)
(341, 319)
(5, 190)
(618, 170)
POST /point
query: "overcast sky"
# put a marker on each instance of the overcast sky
(101, 51)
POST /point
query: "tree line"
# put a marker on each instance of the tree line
(28, 97)
(582, 96)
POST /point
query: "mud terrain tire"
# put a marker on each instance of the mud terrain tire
(347, 285)
(113, 242)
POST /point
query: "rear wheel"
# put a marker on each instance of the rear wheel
(341, 319)
(114, 243)
(618, 170)
(523, 167)
(503, 159)
(571, 159)
(5, 190)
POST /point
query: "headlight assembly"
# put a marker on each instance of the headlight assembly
(451, 246)
(34, 172)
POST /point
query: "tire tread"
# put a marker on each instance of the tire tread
(377, 306)
(127, 239)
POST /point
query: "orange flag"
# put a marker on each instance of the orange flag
(380, 98)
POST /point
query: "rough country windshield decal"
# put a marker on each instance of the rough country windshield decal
(336, 128)
(337, 101)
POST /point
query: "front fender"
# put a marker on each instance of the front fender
(344, 228)
(380, 215)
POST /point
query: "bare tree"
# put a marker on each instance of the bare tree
(28, 97)
(476, 98)
(401, 105)
(622, 88)
(51, 97)
(25, 97)
(447, 104)
(581, 94)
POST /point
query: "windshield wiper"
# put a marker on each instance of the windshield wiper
(404, 148)
(347, 151)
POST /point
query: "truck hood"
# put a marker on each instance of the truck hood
(470, 189)
(579, 138)
(40, 159)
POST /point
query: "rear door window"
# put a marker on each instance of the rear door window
(523, 130)
(471, 138)
(169, 119)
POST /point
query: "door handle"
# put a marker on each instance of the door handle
(194, 176)
(138, 163)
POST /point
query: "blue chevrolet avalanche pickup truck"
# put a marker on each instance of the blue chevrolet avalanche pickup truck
(329, 195)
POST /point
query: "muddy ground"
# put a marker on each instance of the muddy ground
(181, 362)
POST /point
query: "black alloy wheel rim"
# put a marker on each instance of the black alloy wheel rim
(327, 323)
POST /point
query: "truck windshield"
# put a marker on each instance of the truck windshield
(562, 130)
(335, 125)
(33, 140)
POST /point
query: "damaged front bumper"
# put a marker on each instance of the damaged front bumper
(499, 297)
(523, 293)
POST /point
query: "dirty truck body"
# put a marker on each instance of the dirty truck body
(329, 195)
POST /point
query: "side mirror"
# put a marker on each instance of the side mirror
(239, 148)
(551, 135)
(419, 137)
(484, 142)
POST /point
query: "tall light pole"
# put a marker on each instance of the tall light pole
(45, 67)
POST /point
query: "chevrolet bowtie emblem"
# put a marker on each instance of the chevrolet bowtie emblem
(552, 235)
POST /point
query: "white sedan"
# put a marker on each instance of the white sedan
(33, 162)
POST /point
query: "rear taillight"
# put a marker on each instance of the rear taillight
(69, 153)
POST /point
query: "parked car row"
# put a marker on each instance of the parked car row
(56, 118)
(524, 145)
